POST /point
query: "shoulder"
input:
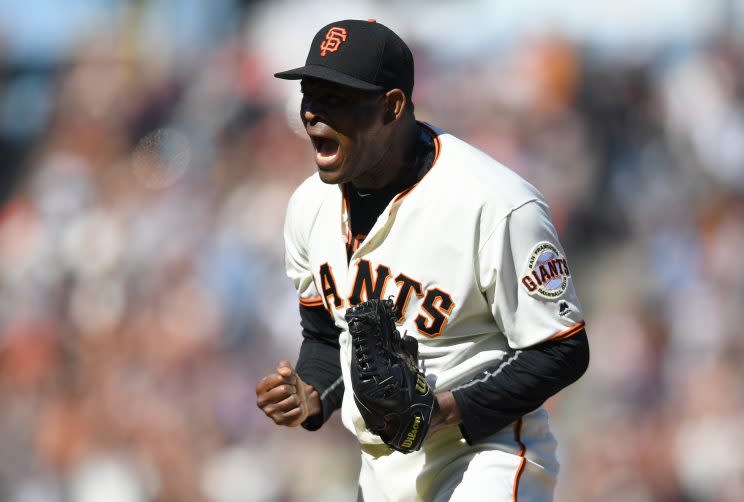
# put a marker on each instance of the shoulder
(310, 190)
(478, 180)
(309, 197)
(305, 203)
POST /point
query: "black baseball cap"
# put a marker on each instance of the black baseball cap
(363, 55)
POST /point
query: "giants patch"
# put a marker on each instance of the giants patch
(547, 272)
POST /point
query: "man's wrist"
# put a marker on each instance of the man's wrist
(312, 398)
(446, 413)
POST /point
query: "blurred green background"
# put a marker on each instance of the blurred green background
(147, 155)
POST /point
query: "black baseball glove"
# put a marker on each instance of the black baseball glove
(390, 391)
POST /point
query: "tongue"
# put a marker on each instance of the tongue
(327, 147)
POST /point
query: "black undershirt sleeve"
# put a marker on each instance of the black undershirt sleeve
(319, 363)
(519, 384)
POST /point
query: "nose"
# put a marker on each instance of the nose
(311, 110)
(310, 117)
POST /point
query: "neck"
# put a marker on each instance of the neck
(398, 158)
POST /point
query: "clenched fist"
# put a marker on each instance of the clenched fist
(285, 398)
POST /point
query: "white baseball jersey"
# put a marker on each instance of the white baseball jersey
(472, 260)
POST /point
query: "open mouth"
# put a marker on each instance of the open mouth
(326, 149)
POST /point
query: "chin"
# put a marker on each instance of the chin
(330, 177)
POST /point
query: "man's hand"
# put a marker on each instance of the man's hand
(285, 398)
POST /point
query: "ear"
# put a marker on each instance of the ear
(395, 105)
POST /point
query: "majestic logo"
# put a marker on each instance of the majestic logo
(333, 40)
(564, 308)
(547, 272)
(411, 436)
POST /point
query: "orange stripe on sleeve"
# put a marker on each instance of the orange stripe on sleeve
(315, 301)
(523, 461)
(576, 328)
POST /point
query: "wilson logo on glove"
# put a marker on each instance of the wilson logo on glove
(411, 436)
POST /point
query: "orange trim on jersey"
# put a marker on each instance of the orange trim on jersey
(437, 144)
(576, 328)
(425, 313)
(345, 211)
(315, 301)
(437, 148)
(523, 461)
(357, 241)
(368, 293)
(415, 287)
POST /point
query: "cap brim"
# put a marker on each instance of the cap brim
(329, 75)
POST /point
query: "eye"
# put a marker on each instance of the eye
(336, 100)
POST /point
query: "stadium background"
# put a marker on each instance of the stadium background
(146, 157)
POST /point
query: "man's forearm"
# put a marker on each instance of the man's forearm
(319, 365)
(520, 383)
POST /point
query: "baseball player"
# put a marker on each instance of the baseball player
(466, 251)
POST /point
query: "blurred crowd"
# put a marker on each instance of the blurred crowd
(142, 292)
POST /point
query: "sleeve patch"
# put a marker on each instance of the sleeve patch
(547, 272)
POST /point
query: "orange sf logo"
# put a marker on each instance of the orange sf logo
(333, 40)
